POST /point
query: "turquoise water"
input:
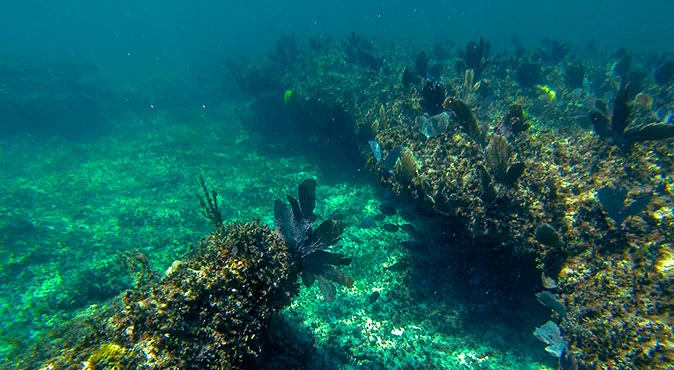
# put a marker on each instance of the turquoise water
(492, 168)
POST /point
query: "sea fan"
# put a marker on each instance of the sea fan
(294, 222)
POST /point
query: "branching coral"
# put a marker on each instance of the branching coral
(209, 204)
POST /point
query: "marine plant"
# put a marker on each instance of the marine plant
(498, 159)
(474, 57)
(613, 202)
(550, 334)
(294, 223)
(553, 51)
(623, 65)
(409, 78)
(209, 204)
(421, 64)
(287, 51)
(433, 95)
(528, 75)
(513, 122)
(466, 118)
(406, 166)
(360, 51)
(619, 128)
(574, 73)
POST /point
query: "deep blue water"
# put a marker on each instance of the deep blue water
(130, 39)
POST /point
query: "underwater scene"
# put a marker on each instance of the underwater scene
(337, 185)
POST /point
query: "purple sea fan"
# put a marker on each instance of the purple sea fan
(294, 223)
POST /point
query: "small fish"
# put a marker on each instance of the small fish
(387, 208)
(399, 266)
(376, 150)
(373, 297)
(379, 217)
(366, 223)
(549, 300)
(391, 227)
(548, 282)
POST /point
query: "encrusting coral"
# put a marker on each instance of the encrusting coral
(212, 308)
(616, 304)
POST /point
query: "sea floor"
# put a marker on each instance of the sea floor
(71, 209)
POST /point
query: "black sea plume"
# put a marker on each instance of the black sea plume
(294, 222)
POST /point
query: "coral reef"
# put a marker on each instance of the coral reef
(510, 189)
(209, 311)
(212, 309)
(550, 209)
(619, 127)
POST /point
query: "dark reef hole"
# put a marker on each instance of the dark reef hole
(494, 283)
(321, 132)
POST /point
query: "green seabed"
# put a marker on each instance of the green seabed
(72, 211)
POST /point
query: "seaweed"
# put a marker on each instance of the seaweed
(475, 57)
(410, 78)
(360, 51)
(433, 95)
(624, 64)
(466, 118)
(287, 51)
(528, 75)
(553, 51)
(574, 75)
(294, 223)
(619, 127)
(421, 64)
(209, 204)
(550, 334)
(513, 123)
(613, 202)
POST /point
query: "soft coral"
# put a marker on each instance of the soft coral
(294, 222)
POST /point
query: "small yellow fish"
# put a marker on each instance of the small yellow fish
(287, 96)
(550, 93)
